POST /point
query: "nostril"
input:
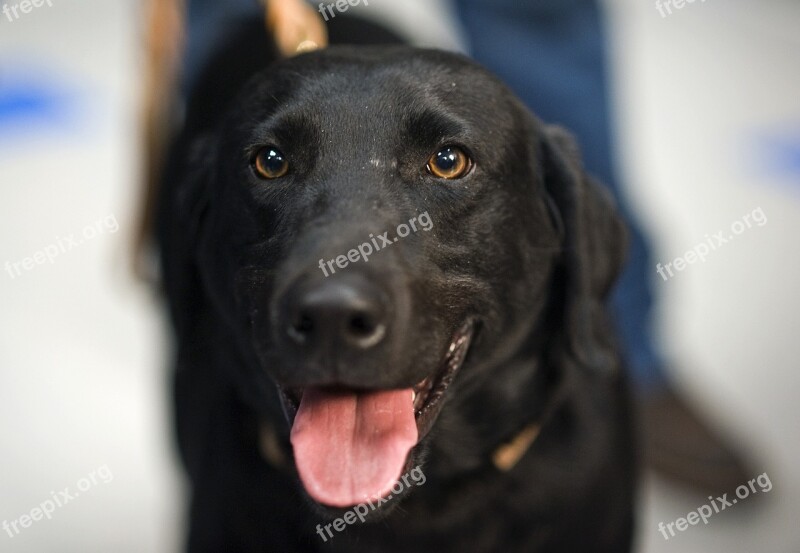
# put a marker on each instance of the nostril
(361, 325)
(305, 325)
(302, 327)
(364, 330)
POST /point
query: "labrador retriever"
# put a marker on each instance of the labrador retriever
(456, 386)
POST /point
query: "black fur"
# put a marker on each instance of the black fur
(526, 243)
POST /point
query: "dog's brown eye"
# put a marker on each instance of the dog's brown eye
(270, 163)
(449, 163)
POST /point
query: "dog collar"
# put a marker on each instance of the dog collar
(506, 456)
(509, 454)
(270, 446)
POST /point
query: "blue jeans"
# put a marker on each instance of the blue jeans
(552, 53)
(206, 24)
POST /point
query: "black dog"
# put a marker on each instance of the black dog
(459, 381)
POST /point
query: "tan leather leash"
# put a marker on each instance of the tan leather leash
(295, 26)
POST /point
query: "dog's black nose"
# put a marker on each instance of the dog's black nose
(346, 311)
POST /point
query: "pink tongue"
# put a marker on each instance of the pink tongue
(351, 447)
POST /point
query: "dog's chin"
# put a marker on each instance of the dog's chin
(358, 446)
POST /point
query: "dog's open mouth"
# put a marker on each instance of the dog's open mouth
(352, 446)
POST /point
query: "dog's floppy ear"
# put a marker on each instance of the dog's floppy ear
(594, 246)
(182, 210)
(194, 186)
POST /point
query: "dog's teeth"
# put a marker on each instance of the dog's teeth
(413, 396)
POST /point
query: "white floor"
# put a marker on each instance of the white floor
(82, 370)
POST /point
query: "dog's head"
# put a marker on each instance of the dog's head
(382, 229)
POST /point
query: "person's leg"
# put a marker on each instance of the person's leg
(552, 53)
(206, 25)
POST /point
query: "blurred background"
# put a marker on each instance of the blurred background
(707, 114)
